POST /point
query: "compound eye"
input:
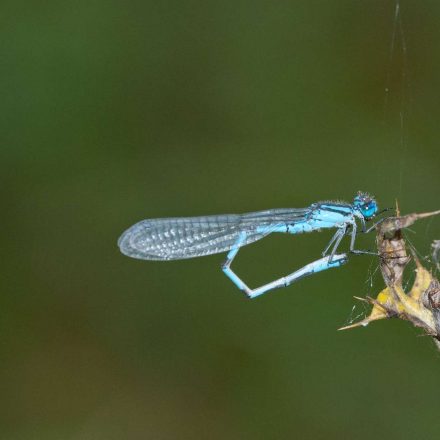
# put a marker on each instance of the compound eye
(369, 209)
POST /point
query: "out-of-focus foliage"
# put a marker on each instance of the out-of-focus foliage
(116, 111)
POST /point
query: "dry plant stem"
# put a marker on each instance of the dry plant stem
(391, 245)
(421, 305)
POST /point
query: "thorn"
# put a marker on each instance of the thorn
(362, 323)
(428, 214)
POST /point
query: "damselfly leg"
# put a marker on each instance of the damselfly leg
(309, 269)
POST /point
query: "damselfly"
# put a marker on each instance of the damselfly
(188, 237)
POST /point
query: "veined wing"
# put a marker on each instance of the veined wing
(188, 237)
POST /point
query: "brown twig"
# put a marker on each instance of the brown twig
(421, 304)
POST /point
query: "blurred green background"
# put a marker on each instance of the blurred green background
(122, 110)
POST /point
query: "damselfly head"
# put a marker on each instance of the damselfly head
(366, 204)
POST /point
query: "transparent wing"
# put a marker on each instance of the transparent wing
(188, 237)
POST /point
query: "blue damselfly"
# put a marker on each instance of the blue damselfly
(188, 237)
